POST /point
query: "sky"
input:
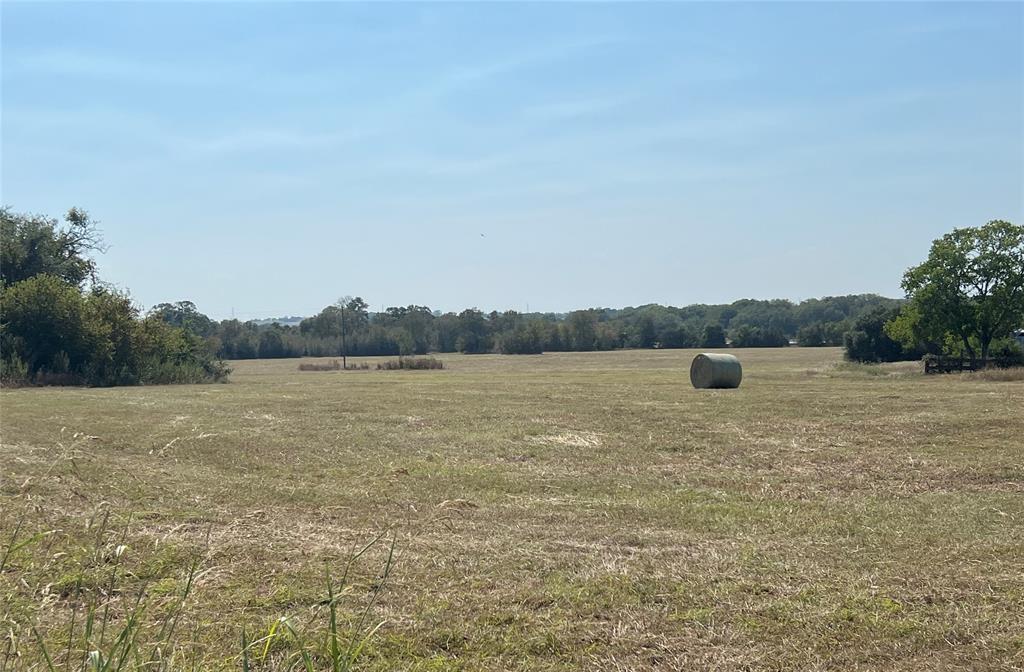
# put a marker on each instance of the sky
(264, 159)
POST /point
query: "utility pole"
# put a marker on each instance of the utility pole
(342, 304)
(344, 363)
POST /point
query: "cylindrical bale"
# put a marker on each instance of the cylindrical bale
(712, 370)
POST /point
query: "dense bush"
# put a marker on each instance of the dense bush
(333, 365)
(55, 331)
(410, 363)
(868, 341)
(1007, 353)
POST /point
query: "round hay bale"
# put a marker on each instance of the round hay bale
(712, 370)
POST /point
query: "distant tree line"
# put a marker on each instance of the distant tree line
(965, 300)
(416, 330)
(60, 324)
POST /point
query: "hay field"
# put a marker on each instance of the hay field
(553, 512)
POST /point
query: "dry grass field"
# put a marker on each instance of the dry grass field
(553, 512)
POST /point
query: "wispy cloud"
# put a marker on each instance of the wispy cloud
(258, 139)
(459, 77)
(93, 65)
(573, 109)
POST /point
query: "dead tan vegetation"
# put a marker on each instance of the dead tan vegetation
(1013, 374)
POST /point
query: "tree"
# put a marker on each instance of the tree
(970, 289)
(713, 336)
(756, 337)
(526, 338)
(326, 324)
(184, 314)
(357, 314)
(869, 342)
(646, 335)
(52, 329)
(677, 337)
(32, 245)
(811, 336)
(474, 336)
(271, 344)
(44, 325)
(581, 329)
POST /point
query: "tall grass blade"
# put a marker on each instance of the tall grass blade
(46, 654)
(10, 545)
(245, 652)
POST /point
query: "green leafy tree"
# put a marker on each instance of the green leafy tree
(644, 333)
(756, 337)
(713, 336)
(869, 342)
(811, 336)
(581, 329)
(357, 314)
(474, 332)
(95, 338)
(112, 321)
(52, 330)
(271, 344)
(184, 314)
(970, 289)
(44, 324)
(527, 338)
(325, 324)
(678, 337)
(32, 245)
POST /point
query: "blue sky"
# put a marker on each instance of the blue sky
(268, 158)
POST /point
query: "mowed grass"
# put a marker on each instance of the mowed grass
(552, 512)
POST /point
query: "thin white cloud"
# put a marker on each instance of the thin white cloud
(92, 65)
(462, 76)
(573, 109)
(268, 139)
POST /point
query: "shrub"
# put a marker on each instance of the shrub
(13, 371)
(333, 365)
(1007, 354)
(57, 331)
(868, 341)
(54, 334)
(410, 363)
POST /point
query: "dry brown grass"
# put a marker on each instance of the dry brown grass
(554, 512)
(1014, 374)
(332, 365)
